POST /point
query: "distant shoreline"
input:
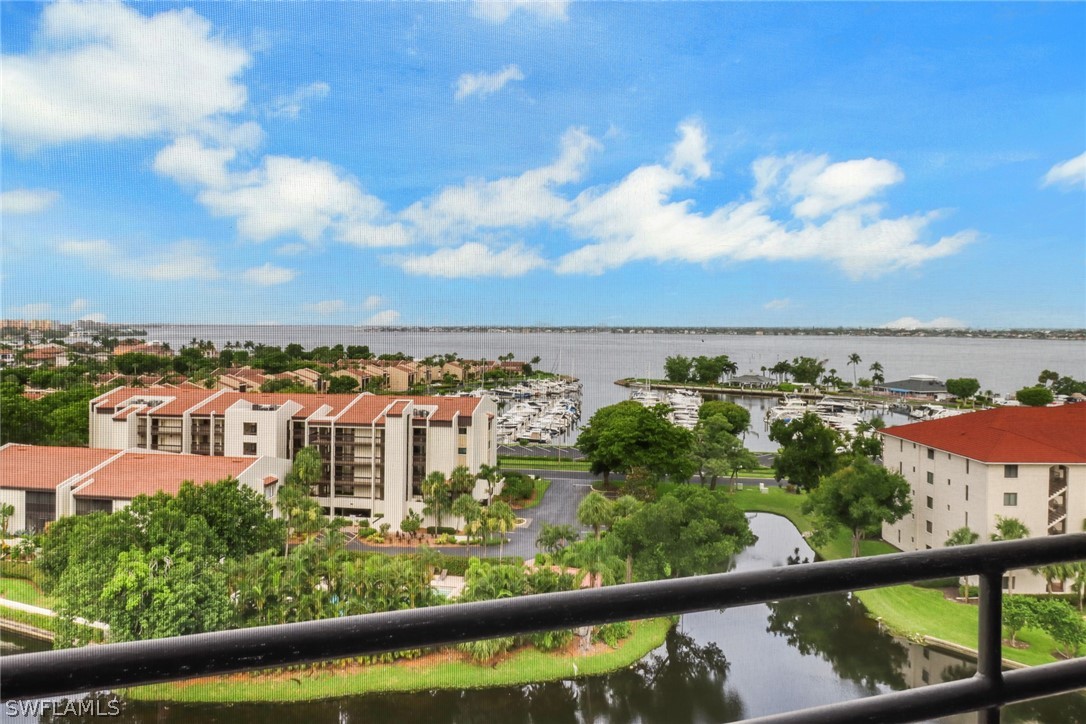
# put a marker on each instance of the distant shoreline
(965, 333)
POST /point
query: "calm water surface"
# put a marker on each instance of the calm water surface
(714, 667)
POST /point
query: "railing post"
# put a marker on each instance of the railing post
(990, 638)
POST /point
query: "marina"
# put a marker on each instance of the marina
(683, 404)
(535, 411)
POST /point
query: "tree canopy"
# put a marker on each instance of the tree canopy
(963, 387)
(629, 435)
(808, 450)
(686, 532)
(1034, 396)
(860, 497)
(738, 417)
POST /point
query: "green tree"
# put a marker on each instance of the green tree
(1047, 376)
(501, 519)
(1034, 396)
(876, 373)
(808, 450)
(963, 387)
(338, 384)
(594, 511)
(687, 531)
(554, 538)
(738, 417)
(860, 497)
(1063, 624)
(1019, 612)
(467, 509)
(708, 370)
(7, 510)
(1009, 529)
(963, 537)
(436, 496)
(493, 477)
(411, 523)
(717, 452)
(461, 481)
(677, 369)
(628, 435)
(807, 369)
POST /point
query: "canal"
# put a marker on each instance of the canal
(715, 666)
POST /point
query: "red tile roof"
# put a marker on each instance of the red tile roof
(1006, 434)
(137, 473)
(37, 467)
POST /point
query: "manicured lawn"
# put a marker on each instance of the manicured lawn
(541, 487)
(911, 612)
(522, 667)
(542, 463)
(24, 591)
(907, 610)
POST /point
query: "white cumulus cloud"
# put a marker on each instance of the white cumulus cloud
(522, 200)
(106, 71)
(87, 248)
(268, 275)
(27, 201)
(483, 84)
(94, 317)
(384, 318)
(775, 304)
(498, 11)
(78, 305)
(1069, 174)
(188, 161)
(474, 260)
(372, 302)
(801, 208)
(326, 307)
(914, 323)
(290, 105)
(176, 262)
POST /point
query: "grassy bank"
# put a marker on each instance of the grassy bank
(24, 591)
(909, 611)
(439, 671)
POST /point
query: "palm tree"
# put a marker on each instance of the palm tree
(436, 495)
(595, 512)
(502, 519)
(854, 360)
(1009, 529)
(962, 537)
(493, 477)
(876, 373)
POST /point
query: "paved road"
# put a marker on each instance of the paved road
(559, 505)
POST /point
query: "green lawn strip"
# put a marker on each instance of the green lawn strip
(542, 463)
(541, 487)
(36, 620)
(906, 610)
(24, 591)
(522, 667)
(912, 612)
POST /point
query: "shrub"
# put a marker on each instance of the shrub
(550, 640)
(518, 486)
(612, 633)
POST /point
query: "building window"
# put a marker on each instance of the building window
(248, 428)
(461, 451)
(248, 448)
(927, 526)
(1008, 583)
(966, 472)
(967, 492)
(1010, 471)
(463, 431)
(931, 478)
(967, 519)
(931, 453)
(1010, 498)
(931, 502)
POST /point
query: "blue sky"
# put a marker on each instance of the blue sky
(546, 163)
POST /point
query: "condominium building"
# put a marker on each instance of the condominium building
(376, 450)
(1027, 463)
(46, 483)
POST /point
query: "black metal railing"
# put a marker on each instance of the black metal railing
(128, 664)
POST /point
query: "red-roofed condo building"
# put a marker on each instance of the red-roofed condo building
(45, 483)
(1027, 463)
(376, 449)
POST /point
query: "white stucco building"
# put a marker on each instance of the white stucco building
(376, 449)
(1027, 463)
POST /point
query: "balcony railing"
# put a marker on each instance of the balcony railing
(92, 668)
